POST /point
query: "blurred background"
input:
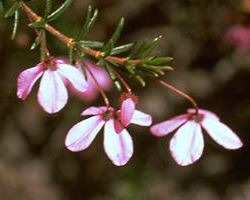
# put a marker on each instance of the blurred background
(210, 41)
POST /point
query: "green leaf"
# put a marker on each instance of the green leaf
(112, 75)
(91, 44)
(159, 60)
(59, 11)
(12, 9)
(140, 80)
(154, 70)
(48, 7)
(89, 22)
(15, 26)
(167, 68)
(146, 48)
(35, 43)
(121, 49)
(111, 43)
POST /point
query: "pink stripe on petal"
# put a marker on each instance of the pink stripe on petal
(127, 111)
(187, 145)
(141, 118)
(118, 147)
(52, 94)
(27, 79)
(73, 75)
(166, 127)
(222, 134)
(81, 135)
(118, 126)
(94, 110)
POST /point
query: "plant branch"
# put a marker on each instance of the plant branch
(70, 41)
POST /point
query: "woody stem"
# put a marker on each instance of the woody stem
(183, 94)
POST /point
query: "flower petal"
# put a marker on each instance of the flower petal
(141, 118)
(166, 127)
(94, 110)
(27, 79)
(222, 134)
(81, 135)
(118, 147)
(52, 93)
(73, 75)
(101, 76)
(187, 144)
(127, 111)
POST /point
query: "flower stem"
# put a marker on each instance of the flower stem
(104, 96)
(183, 94)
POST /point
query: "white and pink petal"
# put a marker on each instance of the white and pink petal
(73, 75)
(166, 127)
(95, 110)
(141, 118)
(52, 94)
(27, 79)
(81, 135)
(221, 134)
(187, 144)
(118, 147)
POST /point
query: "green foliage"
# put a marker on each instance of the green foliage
(113, 76)
(54, 15)
(108, 47)
(48, 8)
(11, 11)
(159, 60)
(89, 22)
(121, 49)
(145, 48)
(35, 44)
(15, 25)
(91, 44)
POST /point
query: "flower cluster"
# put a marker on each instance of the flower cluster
(58, 77)
(186, 146)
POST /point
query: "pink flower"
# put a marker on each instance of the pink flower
(117, 145)
(187, 144)
(92, 91)
(52, 93)
(239, 37)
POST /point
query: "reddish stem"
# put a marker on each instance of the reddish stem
(183, 94)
